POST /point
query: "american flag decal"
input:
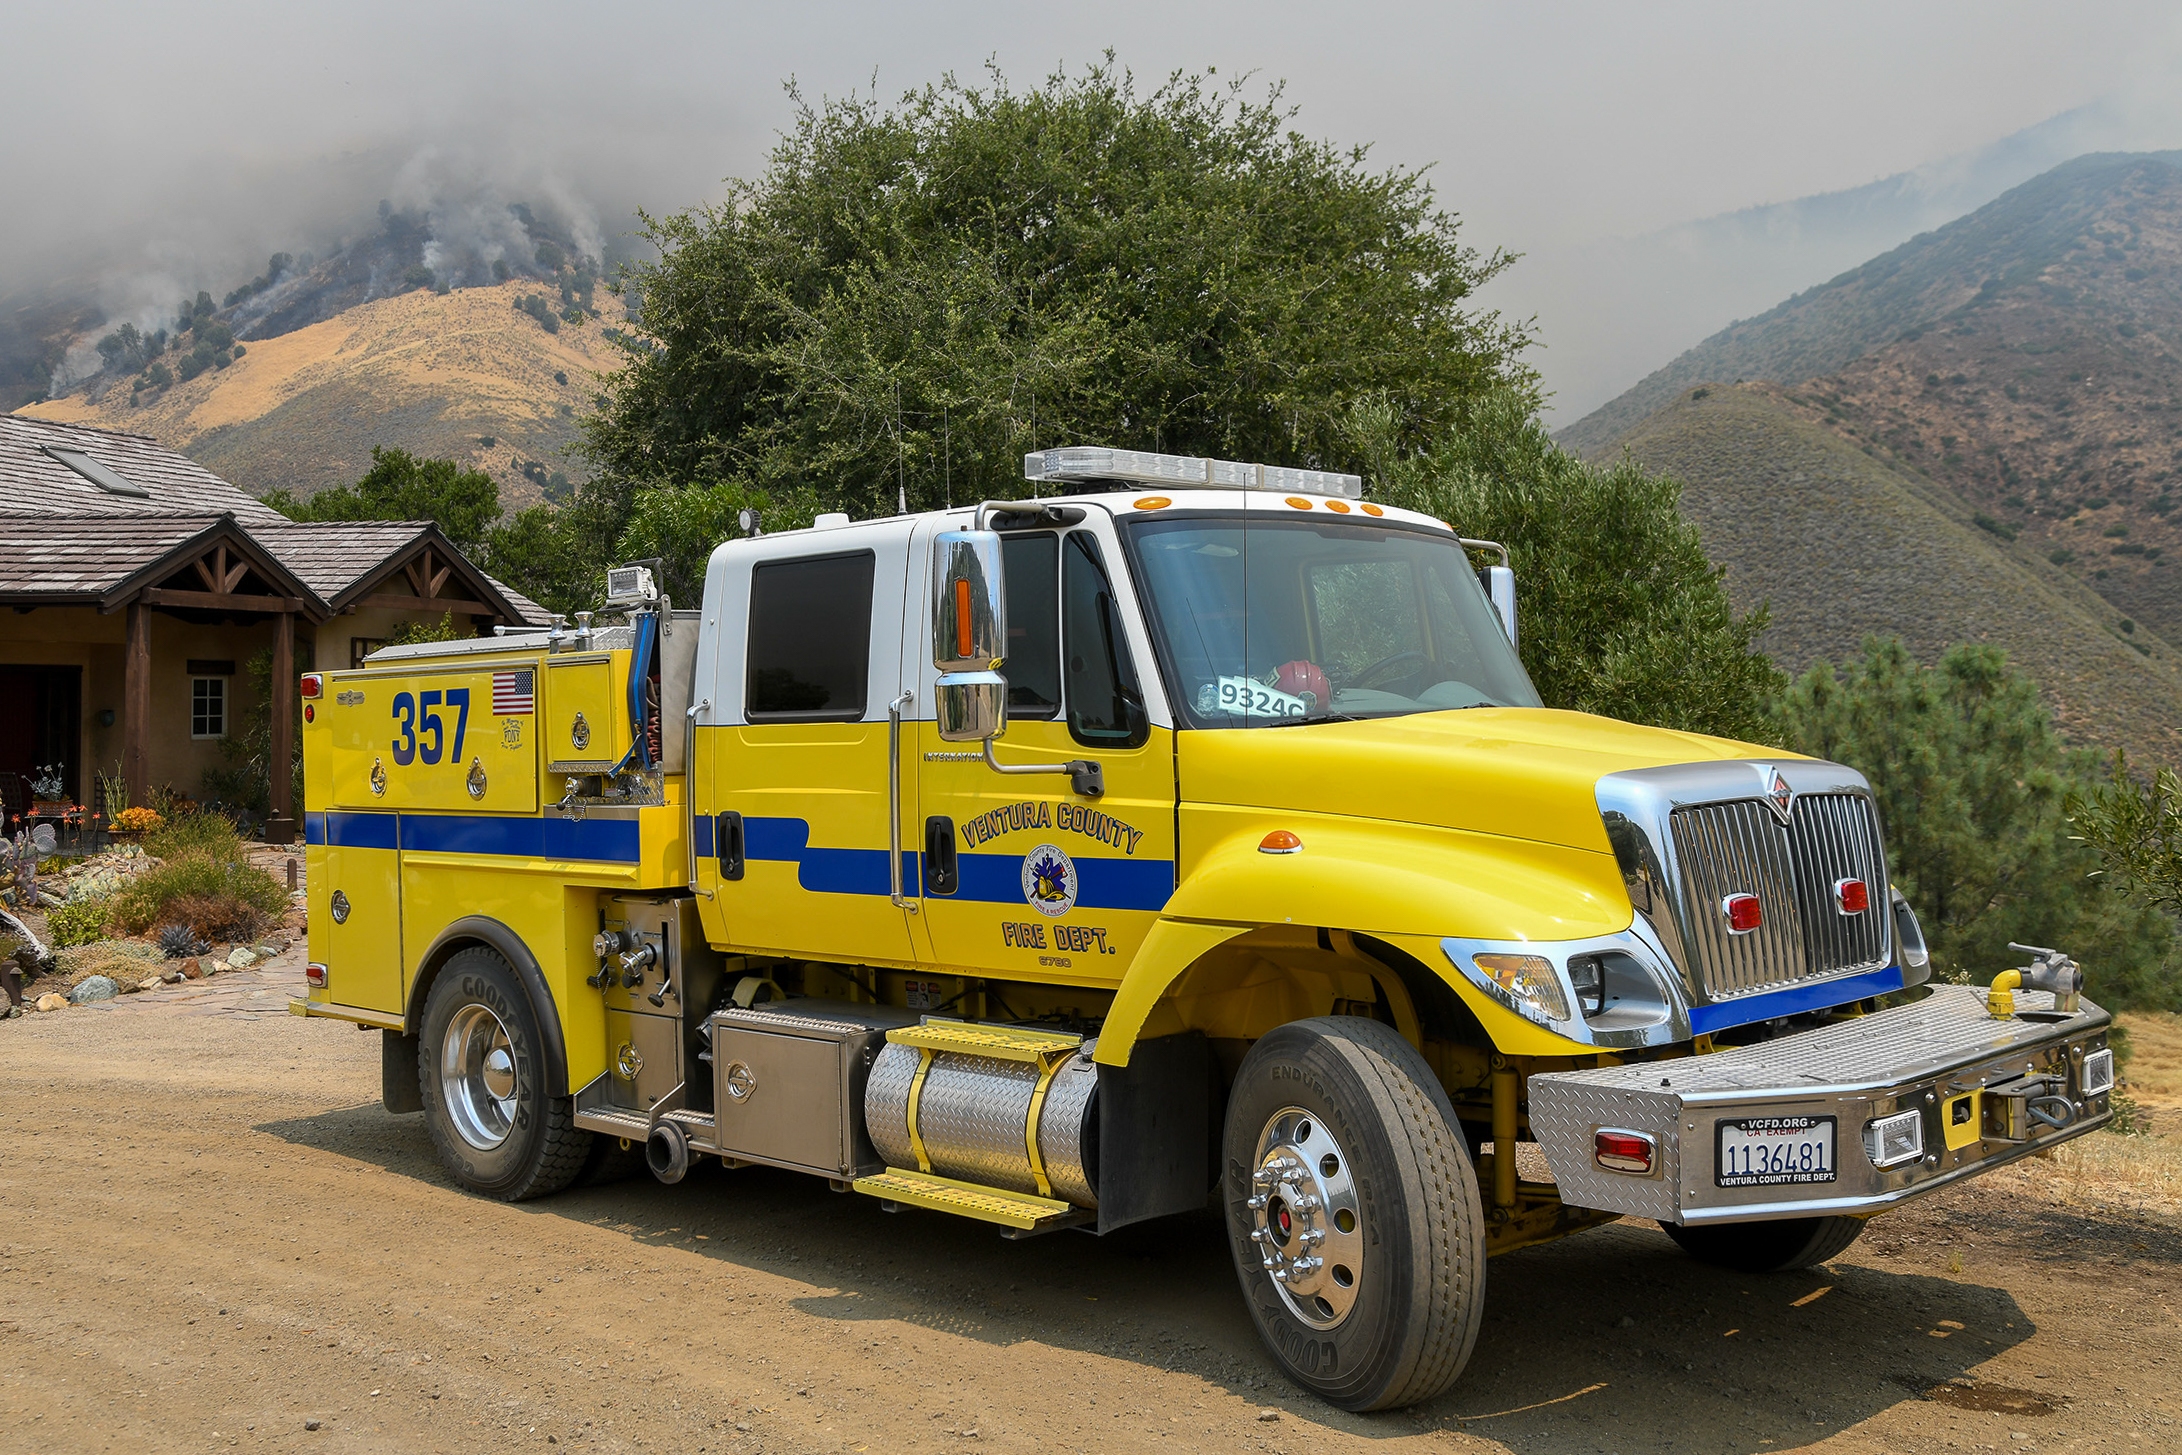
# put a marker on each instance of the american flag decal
(511, 694)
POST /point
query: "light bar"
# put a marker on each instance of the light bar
(1081, 464)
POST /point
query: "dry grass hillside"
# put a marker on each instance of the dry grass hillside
(461, 375)
(1843, 544)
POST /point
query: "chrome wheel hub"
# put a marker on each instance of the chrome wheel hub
(1306, 1222)
(477, 1077)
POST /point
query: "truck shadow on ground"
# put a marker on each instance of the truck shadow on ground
(1610, 1340)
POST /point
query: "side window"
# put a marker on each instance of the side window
(809, 648)
(208, 707)
(1032, 566)
(1105, 705)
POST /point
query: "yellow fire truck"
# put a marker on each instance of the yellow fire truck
(1185, 836)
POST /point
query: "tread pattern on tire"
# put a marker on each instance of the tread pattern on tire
(563, 1147)
(1453, 1312)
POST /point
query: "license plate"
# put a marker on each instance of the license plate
(1773, 1151)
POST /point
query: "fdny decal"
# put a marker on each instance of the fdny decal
(1073, 818)
(1049, 880)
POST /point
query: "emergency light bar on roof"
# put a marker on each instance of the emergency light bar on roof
(1080, 464)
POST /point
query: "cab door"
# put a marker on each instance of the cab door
(793, 797)
(1021, 877)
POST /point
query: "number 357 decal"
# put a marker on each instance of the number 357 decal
(423, 732)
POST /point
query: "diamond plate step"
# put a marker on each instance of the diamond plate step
(615, 1123)
(1018, 1210)
(999, 1043)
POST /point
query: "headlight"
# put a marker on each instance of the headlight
(1528, 983)
(1893, 1140)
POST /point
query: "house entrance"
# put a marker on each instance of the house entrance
(41, 723)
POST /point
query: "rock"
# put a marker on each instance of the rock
(52, 1000)
(1268, 1416)
(310, 1424)
(93, 988)
(265, 949)
(151, 982)
(242, 956)
(1626, 1323)
(172, 977)
(192, 970)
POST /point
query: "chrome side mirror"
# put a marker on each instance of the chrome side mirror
(1500, 587)
(969, 636)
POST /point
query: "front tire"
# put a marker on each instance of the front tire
(481, 1070)
(1353, 1214)
(1781, 1246)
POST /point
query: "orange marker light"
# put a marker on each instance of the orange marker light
(1337, 507)
(1280, 841)
(1299, 502)
(962, 616)
(1370, 509)
(1154, 502)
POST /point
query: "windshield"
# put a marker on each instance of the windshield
(1271, 621)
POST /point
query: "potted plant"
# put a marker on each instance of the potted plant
(134, 823)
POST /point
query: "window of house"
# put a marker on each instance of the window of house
(208, 707)
(362, 647)
(108, 480)
(810, 639)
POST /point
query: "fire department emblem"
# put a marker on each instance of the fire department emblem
(511, 732)
(1049, 880)
(1778, 795)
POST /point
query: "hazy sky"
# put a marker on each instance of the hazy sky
(156, 140)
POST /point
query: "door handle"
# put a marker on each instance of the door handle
(727, 843)
(940, 876)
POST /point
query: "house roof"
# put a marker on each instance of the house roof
(33, 482)
(103, 561)
(64, 537)
(345, 560)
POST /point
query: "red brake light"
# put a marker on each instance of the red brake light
(1622, 1151)
(312, 685)
(314, 975)
(1852, 896)
(1743, 912)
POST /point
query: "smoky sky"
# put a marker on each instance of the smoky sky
(153, 148)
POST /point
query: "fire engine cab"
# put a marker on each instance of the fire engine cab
(1185, 836)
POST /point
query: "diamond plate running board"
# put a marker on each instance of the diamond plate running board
(1019, 1210)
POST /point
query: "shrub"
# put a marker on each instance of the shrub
(203, 831)
(78, 922)
(215, 898)
(138, 821)
(214, 917)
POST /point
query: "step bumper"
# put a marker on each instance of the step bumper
(1980, 1092)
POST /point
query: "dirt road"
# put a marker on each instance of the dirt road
(211, 1234)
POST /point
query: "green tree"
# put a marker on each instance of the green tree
(2136, 829)
(1619, 611)
(911, 297)
(1972, 783)
(465, 504)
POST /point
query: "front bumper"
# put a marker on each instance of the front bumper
(1943, 1056)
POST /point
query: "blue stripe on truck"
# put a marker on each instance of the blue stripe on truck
(1793, 1000)
(614, 841)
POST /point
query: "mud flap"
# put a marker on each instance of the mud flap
(398, 1073)
(1153, 1148)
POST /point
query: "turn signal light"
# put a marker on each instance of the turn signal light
(314, 975)
(1851, 896)
(1619, 1151)
(312, 684)
(1280, 841)
(1743, 912)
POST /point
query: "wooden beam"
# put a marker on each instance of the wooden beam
(280, 824)
(136, 703)
(433, 604)
(204, 572)
(219, 600)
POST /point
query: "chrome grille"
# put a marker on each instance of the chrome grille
(1743, 848)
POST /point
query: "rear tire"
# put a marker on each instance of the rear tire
(1366, 1200)
(1780, 1246)
(481, 1070)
